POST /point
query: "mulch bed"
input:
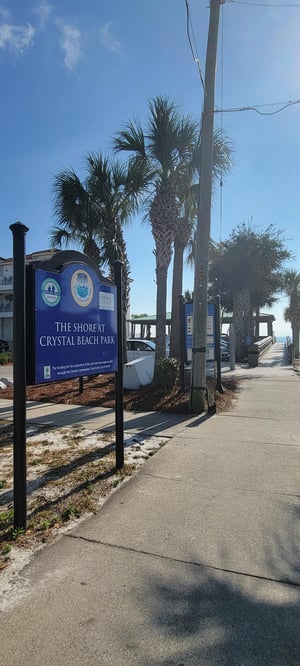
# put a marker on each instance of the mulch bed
(99, 391)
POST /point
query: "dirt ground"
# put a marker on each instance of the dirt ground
(71, 470)
(99, 391)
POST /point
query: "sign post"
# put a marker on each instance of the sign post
(218, 344)
(182, 340)
(119, 374)
(19, 374)
(67, 323)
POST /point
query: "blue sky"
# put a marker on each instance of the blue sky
(73, 72)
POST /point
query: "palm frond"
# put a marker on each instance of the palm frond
(131, 139)
(70, 199)
(186, 137)
(222, 154)
(60, 237)
(162, 134)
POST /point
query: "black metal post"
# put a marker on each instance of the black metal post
(182, 340)
(119, 409)
(218, 343)
(19, 374)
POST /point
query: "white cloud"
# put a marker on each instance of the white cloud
(43, 11)
(16, 38)
(70, 43)
(107, 39)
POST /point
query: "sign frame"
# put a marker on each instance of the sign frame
(71, 325)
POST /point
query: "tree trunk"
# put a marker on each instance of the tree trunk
(126, 301)
(161, 305)
(248, 315)
(257, 315)
(240, 308)
(294, 314)
(295, 330)
(176, 292)
(163, 216)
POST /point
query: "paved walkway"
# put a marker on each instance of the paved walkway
(194, 561)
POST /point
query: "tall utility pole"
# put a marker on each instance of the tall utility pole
(198, 377)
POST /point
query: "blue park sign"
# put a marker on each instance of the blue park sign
(210, 333)
(75, 323)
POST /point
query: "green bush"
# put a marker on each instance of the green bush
(166, 373)
(5, 358)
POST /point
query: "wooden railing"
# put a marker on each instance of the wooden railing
(258, 349)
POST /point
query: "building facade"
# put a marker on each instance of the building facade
(6, 291)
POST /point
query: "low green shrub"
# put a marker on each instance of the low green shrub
(166, 373)
(5, 358)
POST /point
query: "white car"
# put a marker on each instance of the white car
(138, 348)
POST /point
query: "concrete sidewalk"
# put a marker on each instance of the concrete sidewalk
(194, 561)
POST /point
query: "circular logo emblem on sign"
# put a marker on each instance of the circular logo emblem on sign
(82, 288)
(50, 292)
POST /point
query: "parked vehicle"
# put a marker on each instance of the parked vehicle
(224, 350)
(138, 348)
(4, 346)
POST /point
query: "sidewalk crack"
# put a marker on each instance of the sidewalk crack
(202, 565)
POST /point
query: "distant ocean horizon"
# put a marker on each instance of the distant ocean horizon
(281, 338)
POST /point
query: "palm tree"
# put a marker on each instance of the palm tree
(92, 213)
(77, 216)
(161, 150)
(252, 264)
(185, 226)
(182, 234)
(291, 286)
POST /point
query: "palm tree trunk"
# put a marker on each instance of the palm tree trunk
(248, 315)
(176, 292)
(161, 305)
(238, 322)
(296, 330)
(257, 314)
(125, 306)
(117, 250)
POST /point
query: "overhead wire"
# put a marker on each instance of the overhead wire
(189, 30)
(256, 107)
(262, 4)
(285, 105)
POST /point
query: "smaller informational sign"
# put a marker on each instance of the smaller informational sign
(189, 325)
(210, 331)
(75, 324)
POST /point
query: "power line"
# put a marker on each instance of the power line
(262, 4)
(189, 29)
(258, 106)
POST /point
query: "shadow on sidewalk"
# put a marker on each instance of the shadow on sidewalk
(212, 616)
